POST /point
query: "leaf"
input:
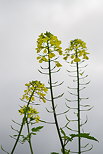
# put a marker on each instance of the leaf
(68, 152)
(25, 139)
(33, 133)
(67, 138)
(37, 129)
(54, 153)
(62, 131)
(84, 135)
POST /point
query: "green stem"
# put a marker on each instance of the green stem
(23, 122)
(78, 98)
(54, 112)
(18, 135)
(30, 144)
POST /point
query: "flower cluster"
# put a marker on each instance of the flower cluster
(33, 89)
(76, 51)
(48, 46)
(30, 112)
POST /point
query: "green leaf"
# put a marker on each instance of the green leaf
(67, 138)
(84, 135)
(37, 129)
(66, 151)
(33, 133)
(54, 153)
(26, 138)
(62, 131)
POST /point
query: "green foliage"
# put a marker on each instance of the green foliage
(37, 129)
(84, 135)
(65, 137)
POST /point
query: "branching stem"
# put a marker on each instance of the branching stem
(23, 122)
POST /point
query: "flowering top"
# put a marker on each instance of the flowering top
(76, 51)
(30, 112)
(34, 88)
(48, 46)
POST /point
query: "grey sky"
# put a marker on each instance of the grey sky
(21, 21)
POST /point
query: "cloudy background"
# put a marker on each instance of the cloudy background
(21, 21)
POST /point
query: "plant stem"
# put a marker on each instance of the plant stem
(30, 144)
(53, 106)
(18, 135)
(23, 121)
(78, 98)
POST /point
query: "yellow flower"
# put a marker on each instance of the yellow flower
(48, 46)
(30, 112)
(77, 60)
(72, 56)
(51, 55)
(58, 64)
(40, 61)
(76, 51)
(37, 118)
(39, 57)
(44, 59)
(45, 51)
(65, 58)
(34, 88)
(32, 98)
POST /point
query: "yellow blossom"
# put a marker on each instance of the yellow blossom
(58, 64)
(76, 51)
(37, 118)
(34, 88)
(30, 112)
(49, 47)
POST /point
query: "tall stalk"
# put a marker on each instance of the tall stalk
(48, 47)
(52, 100)
(78, 99)
(23, 121)
(29, 139)
(76, 54)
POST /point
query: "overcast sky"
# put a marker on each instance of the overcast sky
(21, 21)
